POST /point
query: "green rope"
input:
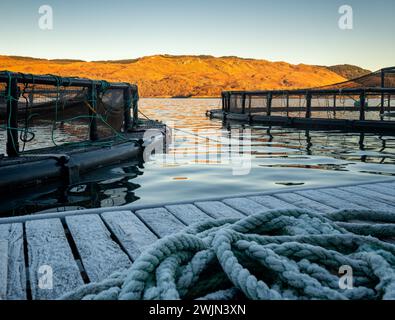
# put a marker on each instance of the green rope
(58, 82)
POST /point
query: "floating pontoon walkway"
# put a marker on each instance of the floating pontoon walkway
(87, 246)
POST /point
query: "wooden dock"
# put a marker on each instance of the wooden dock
(87, 246)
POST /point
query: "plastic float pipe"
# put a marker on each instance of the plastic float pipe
(22, 174)
(61, 81)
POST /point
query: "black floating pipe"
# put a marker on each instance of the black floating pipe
(127, 98)
(334, 104)
(135, 106)
(269, 98)
(362, 101)
(12, 117)
(61, 81)
(382, 94)
(308, 105)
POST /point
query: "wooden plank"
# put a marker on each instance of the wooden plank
(245, 205)
(4, 234)
(12, 234)
(218, 210)
(380, 188)
(371, 194)
(48, 250)
(328, 200)
(389, 185)
(273, 203)
(133, 235)
(358, 199)
(160, 221)
(304, 203)
(3, 269)
(100, 255)
(188, 213)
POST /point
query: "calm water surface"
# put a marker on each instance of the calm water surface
(198, 165)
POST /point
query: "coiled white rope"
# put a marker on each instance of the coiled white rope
(283, 254)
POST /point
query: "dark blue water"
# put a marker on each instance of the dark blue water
(202, 162)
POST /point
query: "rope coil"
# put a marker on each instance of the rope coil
(283, 254)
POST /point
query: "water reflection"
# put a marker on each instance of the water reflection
(99, 189)
(194, 167)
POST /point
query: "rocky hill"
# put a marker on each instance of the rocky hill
(349, 71)
(184, 76)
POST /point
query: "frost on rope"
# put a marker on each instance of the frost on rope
(281, 254)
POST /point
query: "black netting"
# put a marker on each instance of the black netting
(338, 101)
(389, 80)
(236, 103)
(51, 115)
(110, 108)
(257, 104)
(384, 78)
(61, 112)
(3, 105)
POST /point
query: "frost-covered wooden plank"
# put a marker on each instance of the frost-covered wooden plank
(3, 269)
(161, 221)
(100, 255)
(245, 205)
(52, 268)
(371, 194)
(218, 210)
(328, 200)
(273, 203)
(389, 186)
(12, 235)
(133, 235)
(188, 213)
(380, 188)
(4, 234)
(360, 200)
(304, 203)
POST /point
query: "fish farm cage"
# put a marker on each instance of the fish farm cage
(366, 103)
(72, 109)
(55, 127)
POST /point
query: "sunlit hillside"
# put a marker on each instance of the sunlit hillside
(170, 76)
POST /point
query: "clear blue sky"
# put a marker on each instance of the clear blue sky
(295, 31)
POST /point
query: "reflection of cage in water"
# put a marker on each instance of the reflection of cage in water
(366, 99)
(87, 110)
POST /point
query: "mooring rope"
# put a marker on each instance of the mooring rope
(282, 254)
